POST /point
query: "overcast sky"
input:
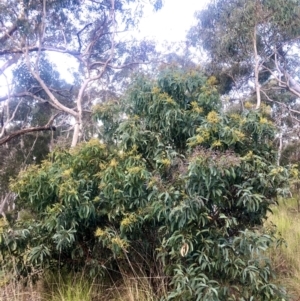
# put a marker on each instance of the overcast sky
(172, 22)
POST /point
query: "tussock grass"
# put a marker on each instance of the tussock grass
(61, 286)
(286, 257)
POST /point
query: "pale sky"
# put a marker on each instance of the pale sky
(171, 22)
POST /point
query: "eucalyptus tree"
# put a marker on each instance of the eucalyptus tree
(252, 48)
(86, 31)
(252, 41)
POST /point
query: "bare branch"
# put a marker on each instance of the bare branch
(44, 48)
(290, 84)
(7, 34)
(26, 131)
(78, 36)
(9, 62)
(53, 100)
(47, 127)
(280, 103)
(78, 125)
(29, 94)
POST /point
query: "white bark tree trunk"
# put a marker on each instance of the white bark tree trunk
(256, 70)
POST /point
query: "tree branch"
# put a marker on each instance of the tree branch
(47, 127)
(9, 62)
(8, 34)
(53, 100)
(35, 49)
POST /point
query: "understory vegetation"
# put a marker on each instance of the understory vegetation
(181, 184)
(137, 287)
(285, 257)
(149, 175)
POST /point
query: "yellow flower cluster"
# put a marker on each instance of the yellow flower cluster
(264, 120)
(100, 233)
(212, 81)
(248, 105)
(129, 220)
(153, 181)
(113, 163)
(170, 100)
(121, 243)
(196, 108)
(248, 156)
(67, 173)
(199, 139)
(276, 171)
(102, 166)
(96, 142)
(118, 191)
(235, 116)
(294, 172)
(265, 109)
(102, 185)
(133, 150)
(240, 135)
(155, 90)
(213, 117)
(3, 223)
(134, 170)
(166, 162)
(137, 157)
(216, 143)
(204, 133)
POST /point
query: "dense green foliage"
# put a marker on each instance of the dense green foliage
(175, 180)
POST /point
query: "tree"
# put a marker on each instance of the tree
(251, 40)
(85, 31)
(181, 182)
(252, 49)
(41, 109)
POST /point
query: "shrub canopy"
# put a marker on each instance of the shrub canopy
(174, 180)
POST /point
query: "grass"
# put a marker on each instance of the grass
(286, 257)
(80, 287)
(65, 288)
(15, 291)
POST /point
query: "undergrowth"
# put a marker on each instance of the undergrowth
(286, 257)
(59, 286)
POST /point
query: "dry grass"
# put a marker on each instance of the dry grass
(286, 258)
(79, 287)
(15, 291)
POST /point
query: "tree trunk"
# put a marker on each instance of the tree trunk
(256, 70)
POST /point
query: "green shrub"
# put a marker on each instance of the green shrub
(181, 184)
